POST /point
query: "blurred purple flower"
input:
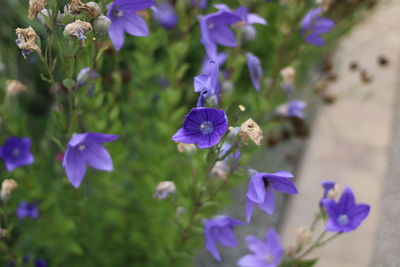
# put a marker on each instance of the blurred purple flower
(165, 14)
(122, 14)
(215, 30)
(40, 263)
(206, 84)
(83, 78)
(327, 185)
(203, 126)
(255, 69)
(261, 190)
(206, 67)
(220, 230)
(296, 108)
(26, 209)
(345, 215)
(87, 149)
(312, 26)
(16, 152)
(265, 253)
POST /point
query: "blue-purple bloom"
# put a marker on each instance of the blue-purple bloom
(16, 152)
(296, 108)
(261, 190)
(255, 69)
(220, 230)
(203, 127)
(265, 253)
(87, 149)
(206, 84)
(27, 210)
(40, 263)
(165, 14)
(83, 78)
(215, 30)
(312, 26)
(122, 14)
(345, 215)
(327, 186)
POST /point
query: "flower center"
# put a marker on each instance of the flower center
(211, 26)
(16, 152)
(116, 12)
(81, 147)
(206, 127)
(268, 258)
(343, 219)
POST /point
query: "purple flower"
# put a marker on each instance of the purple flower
(215, 30)
(16, 152)
(296, 108)
(327, 185)
(312, 26)
(203, 126)
(40, 263)
(83, 78)
(255, 69)
(261, 190)
(122, 14)
(345, 215)
(265, 253)
(206, 84)
(165, 15)
(87, 149)
(26, 209)
(220, 230)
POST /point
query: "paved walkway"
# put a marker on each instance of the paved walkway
(350, 142)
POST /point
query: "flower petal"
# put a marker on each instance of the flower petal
(249, 209)
(116, 33)
(75, 166)
(135, 25)
(98, 157)
(256, 189)
(283, 185)
(269, 202)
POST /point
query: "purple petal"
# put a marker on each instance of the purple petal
(75, 166)
(134, 5)
(315, 39)
(283, 185)
(256, 189)
(135, 25)
(323, 25)
(251, 261)
(347, 201)
(255, 245)
(225, 237)
(116, 33)
(212, 248)
(274, 244)
(101, 138)
(223, 35)
(255, 69)
(186, 137)
(358, 214)
(255, 19)
(269, 202)
(98, 157)
(249, 209)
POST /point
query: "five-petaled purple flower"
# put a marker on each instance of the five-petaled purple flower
(165, 14)
(265, 253)
(296, 108)
(203, 127)
(345, 215)
(220, 230)
(16, 152)
(215, 30)
(261, 190)
(255, 69)
(87, 149)
(122, 14)
(312, 26)
(27, 210)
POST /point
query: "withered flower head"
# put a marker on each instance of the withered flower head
(7, 186)
(35, 6)
(182, 147)
(304, 236)
(288, 75)
(250, 129)
(79, 29)
(77, 6)
(27, 40)
(14, 87)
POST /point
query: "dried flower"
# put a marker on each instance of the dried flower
(35, 6)
(182, 147)
(289, 75)
(250, 129)
(7, 186)
(333, 193)
(3, 232)
(77, 6)
(220, 170)
(14, 87)
(79, 29)
(164, 189)
(27, 41)
(304, 236)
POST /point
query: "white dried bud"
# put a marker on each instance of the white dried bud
(35, 6)
(7, 186)
(94, 6)
(101, 25)
(250, 129)
(78, 29)
(288, 75)
(27, 40)
(3, 232)
(14, 87)
(334, 192)
(77, 6)
(164, 189)
(304, 236)
(220, 170)
(188, 148)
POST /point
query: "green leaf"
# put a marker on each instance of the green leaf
(306, 263)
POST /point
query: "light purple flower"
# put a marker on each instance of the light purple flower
(215, 30)
(87, 149)
(220, 230)
(203, 126)
(296, 108)
(345, 215)
(27, 210)
(16, 152)
(312, 26)
(206, 84)
(265, 253)
(255, 69)
(261, 190)
(165, 14)
(122, 14)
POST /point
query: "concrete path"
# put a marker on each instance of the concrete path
(350, 144)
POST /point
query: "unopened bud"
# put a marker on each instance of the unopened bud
(334, 192)
(7, 186)
(288, 75)
(242, 108)
(14, 87)
(304, 236)
(188, 148)
(101, 25)
(220, 170)
(164, 189)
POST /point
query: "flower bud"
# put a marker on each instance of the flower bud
(250, 129)
(289, 75)
(78, 29)
(188, 148)
(101, 25)
(220, 170)
(7, 186)
(14, 87)
(249, 33)
(304, 236)
(164, 189)
(94, 6)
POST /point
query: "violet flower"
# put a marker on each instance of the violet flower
(255, 69)
(87, 149)
(215, 30)
(312, 26)
(16, 152)
(40, 263)
(27, 210)
(345, 215)
(83, 78)
(265, 253)
(203, 127)
(122, 14)
(296, 108)
(261, 190)
(327, 185)
(206, 84)
(165, 15)
(220, 230)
